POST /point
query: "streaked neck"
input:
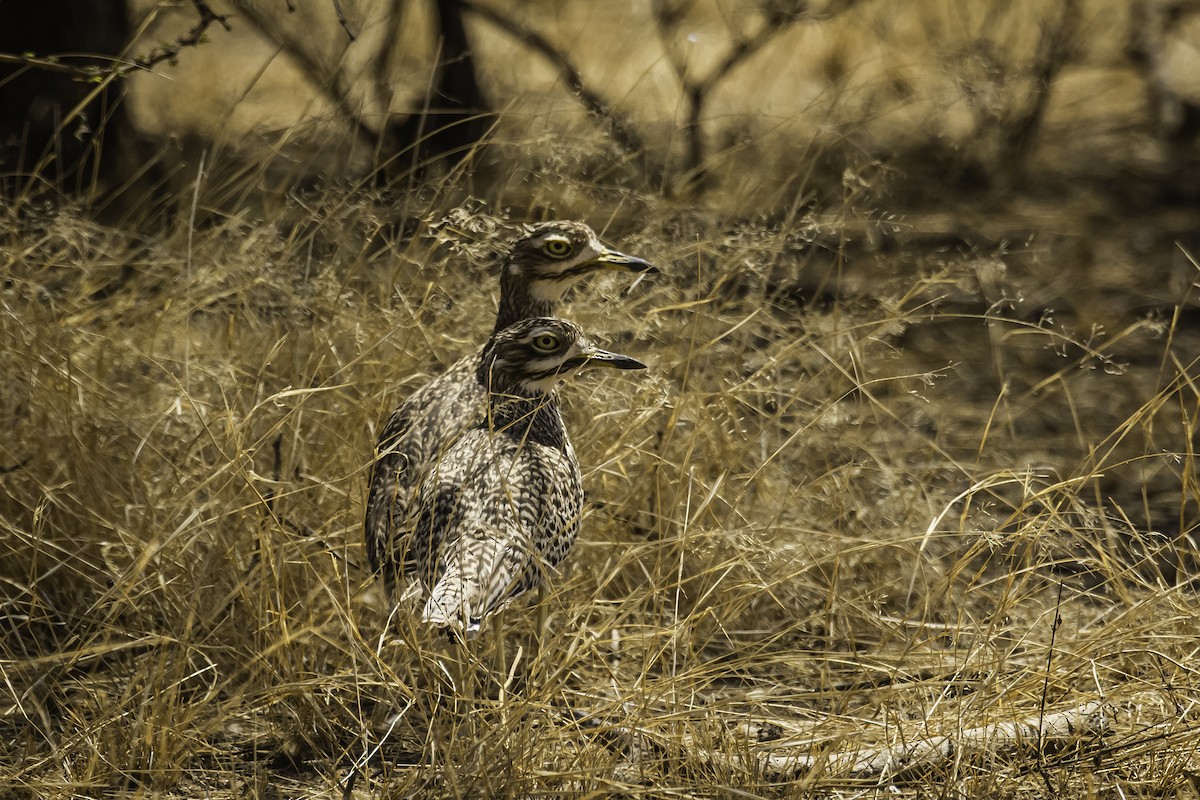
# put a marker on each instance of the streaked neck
(517, 302)
(519, 412)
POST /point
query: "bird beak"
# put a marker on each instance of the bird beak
(609, 259)
(604, 358)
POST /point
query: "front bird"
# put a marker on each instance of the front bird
(502, 505)
(539, 269)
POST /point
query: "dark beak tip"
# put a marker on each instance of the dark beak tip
(616, 360)
(614, 259)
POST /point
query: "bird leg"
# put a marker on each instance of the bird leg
(543, 614)
(500, 660)
(543, 611)
(462, 673)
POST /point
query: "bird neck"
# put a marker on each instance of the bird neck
(527, 416)
(518, 302)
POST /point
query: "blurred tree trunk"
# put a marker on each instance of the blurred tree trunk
(457, 115)
(57, 132)
(1175, 119)
(1056, 49)
(447, 127)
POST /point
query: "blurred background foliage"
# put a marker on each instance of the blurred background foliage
(756, 105)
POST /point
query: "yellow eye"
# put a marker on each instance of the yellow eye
(558, 248)
(546, 342)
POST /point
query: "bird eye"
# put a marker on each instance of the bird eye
(546, 342)
(558, 248)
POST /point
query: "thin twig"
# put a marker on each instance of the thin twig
(24, 462)
(95, 73)
(625, 137)
(699, 91)
(341, 18)
(1054, 626)
(325, 80)
(190, 39)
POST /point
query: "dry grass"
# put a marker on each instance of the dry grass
(823, 522)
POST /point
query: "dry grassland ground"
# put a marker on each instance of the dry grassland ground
(823, 522)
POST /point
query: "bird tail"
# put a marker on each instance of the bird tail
(475, 584)
(448, 606)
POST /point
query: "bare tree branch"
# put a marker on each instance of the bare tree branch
(318, 75)
(451, 125)
(776, 761)
(1089, 720)
(624, 135)
(1055, 49)
(117, 67)
(698, 91)
(341, 18)
(190, 39)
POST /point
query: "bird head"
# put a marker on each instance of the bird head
(553, 256)
(533, 355)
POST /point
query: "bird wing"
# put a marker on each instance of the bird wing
(412, 441)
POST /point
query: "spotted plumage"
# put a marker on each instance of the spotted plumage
(538, 270)
(502, 504)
